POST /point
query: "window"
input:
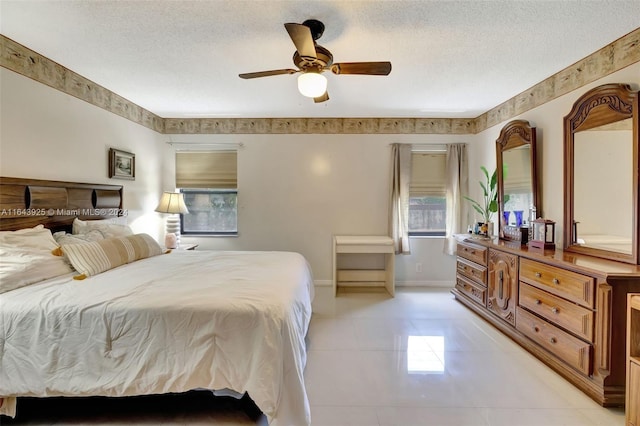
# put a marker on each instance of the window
(208, 181)
(211, 211)
(427, 194)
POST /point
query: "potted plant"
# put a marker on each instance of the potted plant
(489, 204)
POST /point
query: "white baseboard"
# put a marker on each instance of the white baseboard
(422, 283)
(425, 283)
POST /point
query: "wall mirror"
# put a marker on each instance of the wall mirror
(518, 188)
(601, 174)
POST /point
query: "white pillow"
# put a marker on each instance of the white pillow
(37, 238)
(25, 258)
(108, 227)
(64, 238)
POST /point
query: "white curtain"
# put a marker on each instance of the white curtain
(457, 184)
(399, 200)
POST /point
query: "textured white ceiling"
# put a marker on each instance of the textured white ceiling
(450, 58)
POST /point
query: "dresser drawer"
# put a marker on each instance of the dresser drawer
(570, 349)
(472, 270)
(575, 287)
(472, 252)
(472, 290)
(567, 315)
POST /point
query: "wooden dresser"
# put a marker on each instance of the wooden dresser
(568, 310)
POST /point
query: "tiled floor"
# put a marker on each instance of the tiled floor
(420, 358)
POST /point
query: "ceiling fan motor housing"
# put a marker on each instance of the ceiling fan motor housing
(323, 59)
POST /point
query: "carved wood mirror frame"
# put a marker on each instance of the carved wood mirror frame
(600, 106)
(515, 134)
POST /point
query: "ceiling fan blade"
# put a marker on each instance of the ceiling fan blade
(302, 38)
(267, 73)
(368, 68)
(322, 98)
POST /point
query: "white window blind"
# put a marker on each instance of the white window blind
(428, 174)
(213, 169)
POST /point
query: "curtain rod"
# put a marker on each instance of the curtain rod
(425, 147)
(194, 146)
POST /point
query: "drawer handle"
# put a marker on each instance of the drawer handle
(538, 274)
(554, 310)
(538, 301)
(535, 328)
(553, 340)
(556, 281)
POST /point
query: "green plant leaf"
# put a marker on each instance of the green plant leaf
(485, 171)
(489, 204)
(484, 189)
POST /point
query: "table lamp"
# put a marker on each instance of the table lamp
(173, 204)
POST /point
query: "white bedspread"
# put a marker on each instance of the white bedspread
(171, 323)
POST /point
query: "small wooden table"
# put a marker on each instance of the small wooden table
(364, 244)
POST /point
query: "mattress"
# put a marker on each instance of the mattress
(170, 323)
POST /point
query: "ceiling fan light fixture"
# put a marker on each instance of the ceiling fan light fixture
(312, 84)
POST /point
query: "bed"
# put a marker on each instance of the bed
(167, 323)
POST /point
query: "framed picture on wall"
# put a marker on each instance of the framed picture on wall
(122, 164)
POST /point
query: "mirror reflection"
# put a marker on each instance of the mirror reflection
(603, 187)
(517, 185)
(601, 181)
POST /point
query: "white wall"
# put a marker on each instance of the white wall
(46, 134)
(296, 191)
(548, 119)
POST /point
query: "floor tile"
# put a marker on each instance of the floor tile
(343, 416)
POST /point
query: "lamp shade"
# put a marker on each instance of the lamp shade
(312, 84)
(172, 202)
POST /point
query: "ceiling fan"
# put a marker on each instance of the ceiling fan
(312, 60)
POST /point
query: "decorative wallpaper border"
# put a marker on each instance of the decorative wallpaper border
(613, 57)
(320, 125)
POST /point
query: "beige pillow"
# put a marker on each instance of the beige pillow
(94, 257)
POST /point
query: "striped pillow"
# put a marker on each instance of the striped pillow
(94, 257)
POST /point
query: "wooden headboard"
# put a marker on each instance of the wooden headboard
(25, 203)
